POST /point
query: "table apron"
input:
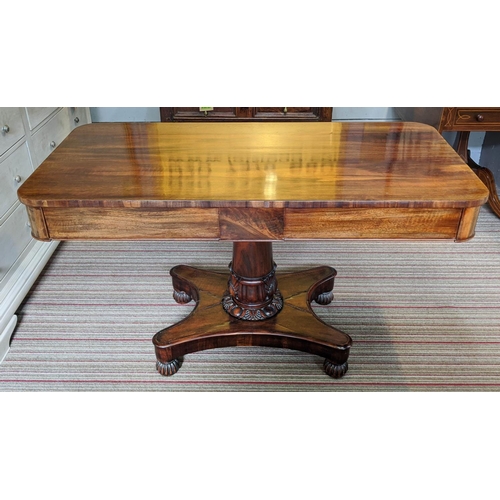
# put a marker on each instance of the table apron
(246, 224)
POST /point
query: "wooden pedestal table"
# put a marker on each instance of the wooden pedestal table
(252, 184)
(257, 310)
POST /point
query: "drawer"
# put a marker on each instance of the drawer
(37, 115)
(77, 117)
(46, 139)
(14, 170)
(368, 223)
(287, 113)
(11, 128)
(15, 235)
(478, 118)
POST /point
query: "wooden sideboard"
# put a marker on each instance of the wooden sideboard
(463, 121)
(246, 114)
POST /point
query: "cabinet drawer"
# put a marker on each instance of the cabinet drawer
(478, 118)
(77, 117)
(190, 114)
(287, 113)
(14, 170)
(15, 235)
(50, 136)
(37, 115)
(11, 128)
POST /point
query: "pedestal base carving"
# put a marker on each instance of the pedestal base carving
(296, 327)
(252, 314)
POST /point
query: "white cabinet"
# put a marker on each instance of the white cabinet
(27, 137)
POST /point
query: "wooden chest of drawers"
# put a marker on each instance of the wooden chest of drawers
(246, 114)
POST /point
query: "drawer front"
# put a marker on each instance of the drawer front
(130, 223)
(287, 113)
(37, 115)
(50, 136)
(15, 235)
(11, 128)
(381, 223)
(189, 114)
(477, 119)
(14, 170)
(77, 117)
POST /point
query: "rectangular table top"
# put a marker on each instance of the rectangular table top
(253, 181)
(386, 164)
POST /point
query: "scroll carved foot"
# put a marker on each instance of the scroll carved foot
(333, 370)
(168, 368)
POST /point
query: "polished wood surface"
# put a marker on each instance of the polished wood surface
(464, 121)
(253, 164)
(252, 181)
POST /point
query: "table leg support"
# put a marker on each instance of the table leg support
(294, 325)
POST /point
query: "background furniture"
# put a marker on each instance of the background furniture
(27, 137)
(464, 121)
(246, 114)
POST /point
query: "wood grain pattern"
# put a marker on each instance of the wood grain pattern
(39, 228)
(386, 223)
(132, 223)
(251, 223)
(130, 180)
(253, 164)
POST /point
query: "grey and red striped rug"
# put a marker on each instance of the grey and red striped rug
(423, 316)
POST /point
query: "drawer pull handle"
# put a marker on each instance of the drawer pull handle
(77, 119)
(52, 144)
(5, 129)
(18, 178)
(479, 118)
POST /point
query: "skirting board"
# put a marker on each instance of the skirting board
(18, 286)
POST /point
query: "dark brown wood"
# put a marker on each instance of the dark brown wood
(296, 327)
(463, 121)
(252, 293)
(253, 183)
(246, 114)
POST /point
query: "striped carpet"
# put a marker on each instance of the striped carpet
(423, 316)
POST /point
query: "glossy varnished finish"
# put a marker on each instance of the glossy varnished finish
(212, 170)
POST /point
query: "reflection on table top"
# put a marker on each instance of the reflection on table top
(254, 164)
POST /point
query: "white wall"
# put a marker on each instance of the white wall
(364, 114)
